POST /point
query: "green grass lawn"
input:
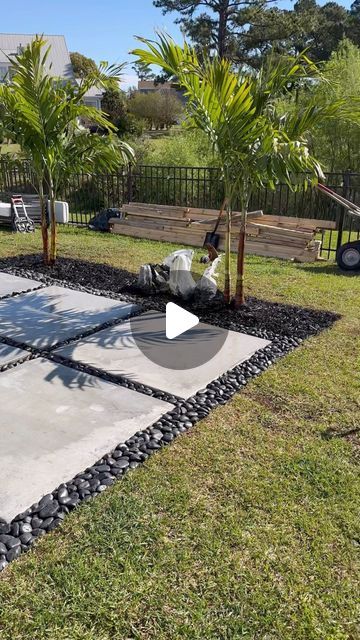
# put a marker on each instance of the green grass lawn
(246, 527)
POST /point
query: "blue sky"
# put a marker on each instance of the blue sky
(101, 29)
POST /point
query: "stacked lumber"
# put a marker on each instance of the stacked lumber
(267, 235)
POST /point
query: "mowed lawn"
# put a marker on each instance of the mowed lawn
(246, 527)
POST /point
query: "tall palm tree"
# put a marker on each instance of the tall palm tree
(43, 115)
(256, 146)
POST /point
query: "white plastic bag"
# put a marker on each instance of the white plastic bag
(207, 287)
(181, 282)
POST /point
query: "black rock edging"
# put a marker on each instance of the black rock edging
(14, 294)
(121, 381)
(257, 318)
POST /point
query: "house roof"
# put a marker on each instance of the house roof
(94, 92)
(58, 59)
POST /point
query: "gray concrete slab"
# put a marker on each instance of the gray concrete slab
(45, 317)
(55, 422)
(10, 284)
(9, 354)
(120, 351)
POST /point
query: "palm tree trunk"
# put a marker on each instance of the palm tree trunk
(227, 286)
(44, 224)
(240, 292)
(53, 235)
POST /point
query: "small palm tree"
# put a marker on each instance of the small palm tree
(238, 112)
(43, 115)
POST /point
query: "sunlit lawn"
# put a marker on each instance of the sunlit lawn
(247, 527)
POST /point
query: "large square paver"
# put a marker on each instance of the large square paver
(8, 354)
(45, 317)
(10, 284)
(135, 348)
(55, 422)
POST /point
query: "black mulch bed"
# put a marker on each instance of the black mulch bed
(271, 317)
(286, 326)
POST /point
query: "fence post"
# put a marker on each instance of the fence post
(129, 183)
(341, 220)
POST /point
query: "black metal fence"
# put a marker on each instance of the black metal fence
(194, 187)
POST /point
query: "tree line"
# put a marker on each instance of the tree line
(247, 31)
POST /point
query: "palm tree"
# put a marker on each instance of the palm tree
(256, 146)
(43, 115)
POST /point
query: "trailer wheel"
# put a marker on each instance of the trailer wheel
(348, 256)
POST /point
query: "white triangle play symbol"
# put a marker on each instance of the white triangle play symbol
(178, 320)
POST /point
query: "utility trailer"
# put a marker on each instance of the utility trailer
(348, 254)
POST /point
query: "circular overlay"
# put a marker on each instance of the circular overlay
(193, 348)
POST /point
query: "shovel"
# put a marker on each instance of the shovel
(212, 237)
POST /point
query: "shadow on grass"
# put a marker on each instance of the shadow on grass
(329, 269)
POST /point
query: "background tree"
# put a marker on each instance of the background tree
(247, 31)
(160, 109)
(113, 102)
(42, 115)
(143, 71)
(257, 145)
(335, 142)
(82, 65)
(217, 29)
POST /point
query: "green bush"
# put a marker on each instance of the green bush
(178, 148)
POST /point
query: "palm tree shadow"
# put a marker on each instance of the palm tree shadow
(142, 333)
(41, 323)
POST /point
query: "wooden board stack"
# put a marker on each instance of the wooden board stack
(267, 235)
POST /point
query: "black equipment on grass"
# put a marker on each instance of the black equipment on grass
(20, 220)
(348, 254)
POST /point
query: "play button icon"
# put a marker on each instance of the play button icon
(178, 321)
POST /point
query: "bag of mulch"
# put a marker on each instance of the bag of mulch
(206, 287)
(181, 282)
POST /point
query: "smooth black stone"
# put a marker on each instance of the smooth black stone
(122, 463)
(26, 538)
(9, 541)
(101, 488)
(3, 549)
(55, 522)
(102, 467)
(3, 563)
(36, 522)
(15, 529)
(46, 523)
(135, 457)
(65, 500)
(50, 509)
(25, 527)
(156, 434)
(4, 528)
(62, 493)
(107, 482)
(73, 502)
(13, 553)
(37, 533)
(153, 444)
(45, 500)
(83, 485)
(22, 515)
